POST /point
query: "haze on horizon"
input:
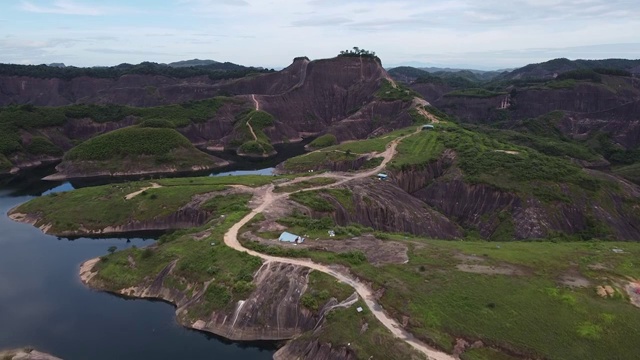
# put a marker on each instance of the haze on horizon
(490, 34)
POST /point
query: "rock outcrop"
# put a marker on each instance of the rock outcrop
(441, 186)
(386, 207)
(271, 312)
(611, 107)
(25, 354)
(301, 349)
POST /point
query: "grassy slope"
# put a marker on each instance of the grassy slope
(344, 328)
(388, 92)
(98, 207)
(244, 138)
(531, 313)
(347, 151)
(102, 206)
(543, 135)
(30, 118)
(5, 164)
(197, 262)
(136, 149)
(305, 184)
(324, 141)
(631, 172)
(417, 149)
(246, 180)
(323, 287)
(483, 159)
(129, 141)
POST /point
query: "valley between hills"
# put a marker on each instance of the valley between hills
(441, 221)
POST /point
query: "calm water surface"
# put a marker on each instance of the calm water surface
(44, 305)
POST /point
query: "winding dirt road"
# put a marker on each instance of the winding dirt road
(231, 240)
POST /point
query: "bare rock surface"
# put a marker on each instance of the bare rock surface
(25, 354)
(298, 350)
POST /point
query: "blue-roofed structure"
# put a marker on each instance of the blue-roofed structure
(291, 238)
(382, 176)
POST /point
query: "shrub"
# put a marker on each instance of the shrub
(324, 141)
(255, 147)
(157, 123)
(353, 257)
(146, 253)
(42, 146)
(313, 200)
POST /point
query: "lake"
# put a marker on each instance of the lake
(44, 305)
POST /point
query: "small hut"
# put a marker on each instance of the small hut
(291, 238)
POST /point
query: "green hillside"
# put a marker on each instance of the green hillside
(134, 150)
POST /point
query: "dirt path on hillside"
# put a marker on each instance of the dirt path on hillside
(303, 75)
(427, 115)
(267, 197)
(134, 194)
(251, 129)
(257, 106)
(255, 101)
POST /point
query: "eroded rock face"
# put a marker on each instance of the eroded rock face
(622, 122)
(412, 179)
(313, 350)
(384, 206)
(590, 108)
(271, 312)
(482, 207)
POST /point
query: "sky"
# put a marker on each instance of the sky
(482, 34)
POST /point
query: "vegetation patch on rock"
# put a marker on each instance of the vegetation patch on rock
(324, 141)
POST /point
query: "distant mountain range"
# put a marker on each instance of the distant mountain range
(180, 70)
(552, 68)
(546, 70)
(193, 62)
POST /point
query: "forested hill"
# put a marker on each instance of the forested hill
(215, 71)
(551, 68)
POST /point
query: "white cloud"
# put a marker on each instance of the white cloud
(271, 33)
(66, 7)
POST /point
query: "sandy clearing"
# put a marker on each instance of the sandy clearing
(488, 270)
(510, 152)
(134, 194)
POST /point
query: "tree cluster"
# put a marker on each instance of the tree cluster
(358, 52)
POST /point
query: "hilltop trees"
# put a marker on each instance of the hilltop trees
(358, 52)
